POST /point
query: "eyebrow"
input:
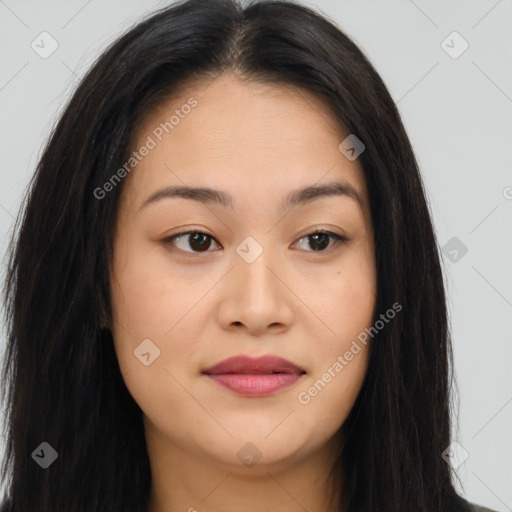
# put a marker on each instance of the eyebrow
(294, 198)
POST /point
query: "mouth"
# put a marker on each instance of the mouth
(250, 377)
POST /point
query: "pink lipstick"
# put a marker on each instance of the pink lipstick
(255, 377)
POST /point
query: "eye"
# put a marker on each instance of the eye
(196, 240)
(201, 242)
(319, 240)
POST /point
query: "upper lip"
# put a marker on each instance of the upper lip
(247, 364)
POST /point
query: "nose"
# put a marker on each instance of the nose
(256, 297)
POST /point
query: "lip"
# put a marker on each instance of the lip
(253, 377)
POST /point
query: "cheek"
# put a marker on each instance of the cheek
(145, 307)
(137, 291)
(328, 397)
(149, 304)
(340, 356)
(345, 299)
(147, 312)
(147, 299)
(340, 360)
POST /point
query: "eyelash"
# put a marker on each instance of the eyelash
(338, 239)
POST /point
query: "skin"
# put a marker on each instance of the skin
(258, 143)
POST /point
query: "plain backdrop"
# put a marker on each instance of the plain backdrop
(456, 103)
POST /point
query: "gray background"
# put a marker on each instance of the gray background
(458, 114)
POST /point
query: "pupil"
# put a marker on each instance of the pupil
(321, 235)
(205, 244)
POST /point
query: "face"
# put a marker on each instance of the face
(255, 276)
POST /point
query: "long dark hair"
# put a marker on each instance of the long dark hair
(62, 382)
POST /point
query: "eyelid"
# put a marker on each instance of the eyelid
(321, 229)
(338, 239)
(169, 240)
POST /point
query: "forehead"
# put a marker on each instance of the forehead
(252, 140)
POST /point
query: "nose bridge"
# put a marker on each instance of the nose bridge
(255, 259)
(257, 298)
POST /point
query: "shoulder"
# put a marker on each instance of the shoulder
(5, 506)
(474, 508)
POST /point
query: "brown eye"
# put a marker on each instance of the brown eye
(197, 241)
(191, 241)
(319, 240)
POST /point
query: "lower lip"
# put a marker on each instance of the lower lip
(252, 385)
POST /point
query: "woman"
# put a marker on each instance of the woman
(225, 292)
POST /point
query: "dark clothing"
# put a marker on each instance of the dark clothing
(5, 507)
